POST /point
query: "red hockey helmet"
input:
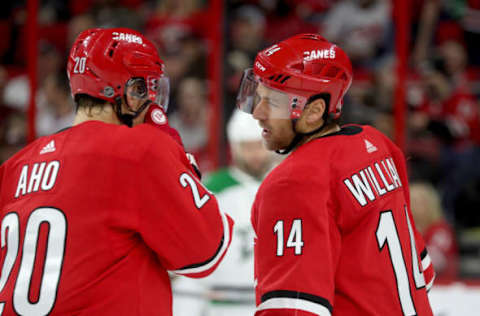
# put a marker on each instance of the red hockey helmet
(298, 68)
(108, 63)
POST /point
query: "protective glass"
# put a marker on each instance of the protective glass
(154, 89)
(278, 104)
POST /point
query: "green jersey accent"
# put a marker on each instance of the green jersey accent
(220, 180)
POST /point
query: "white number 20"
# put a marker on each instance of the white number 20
(187, 180)
(80, 63)
(55, 250)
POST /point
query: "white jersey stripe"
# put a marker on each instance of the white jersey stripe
(211, 263)
(426, 262)
(430, 284)
(294, 303)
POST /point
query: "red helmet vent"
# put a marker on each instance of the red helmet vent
(280, 78)
(112, 49)
(326, 71)
(298, 67)
(314, 37)
(93, 73)
(332, 72)
(284, 79)
(316, 69)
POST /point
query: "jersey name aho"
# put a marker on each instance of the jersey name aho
(94, 217)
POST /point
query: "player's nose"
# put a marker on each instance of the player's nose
(260, 112)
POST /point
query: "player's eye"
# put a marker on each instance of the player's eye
(140, 89)
(137, 88)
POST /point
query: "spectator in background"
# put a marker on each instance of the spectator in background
(472, 29)
(453, 59)
(167, 13)
(467, 200)
(110, 13)
(3, 83)
(78, 24)
(445, 122)
(17, 90)
(55, 111)
(191, 117)
(229, 291)
(384, 83)
(184, 57)
(434, 90)
(424, 22)
(174, 20)
(247, 31)
(177, 28)
(438, 234)
(360, 27)
(51, 11)
(287, 17)
(13, 132)
(444, 129)
(12, 124)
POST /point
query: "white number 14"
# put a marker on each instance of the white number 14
(387, 235)
(294, 238)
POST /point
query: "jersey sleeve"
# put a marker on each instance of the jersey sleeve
(178, 217)
(297, 248)
(426, 262)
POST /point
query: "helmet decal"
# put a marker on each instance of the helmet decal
(102, 61)
(301, 66)
(310, 55)
(131, 38)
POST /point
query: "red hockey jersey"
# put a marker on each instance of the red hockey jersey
(93, 217)
(334, 232)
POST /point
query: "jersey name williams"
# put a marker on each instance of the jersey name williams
(373, 181)
(39, 176)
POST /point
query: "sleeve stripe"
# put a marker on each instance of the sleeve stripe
(297, 295)
(206, 265)
(424, 253)
(430, 284)
(294, 303)
(426, 262)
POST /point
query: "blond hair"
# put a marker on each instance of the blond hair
(432, 199)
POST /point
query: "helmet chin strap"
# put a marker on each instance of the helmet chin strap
(127, 119)
(299, 137)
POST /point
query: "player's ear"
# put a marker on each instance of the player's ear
(312, 116)
(315, 111)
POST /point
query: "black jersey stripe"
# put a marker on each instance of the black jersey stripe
(298, 295)
(347, 130)
(196, 265)
(423, 254)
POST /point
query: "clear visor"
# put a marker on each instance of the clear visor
(253, 94)
(154, 89)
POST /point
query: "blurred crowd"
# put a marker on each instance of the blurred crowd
(443, 86)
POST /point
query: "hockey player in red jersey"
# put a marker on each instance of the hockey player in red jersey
(334, 231)
(94, 217)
